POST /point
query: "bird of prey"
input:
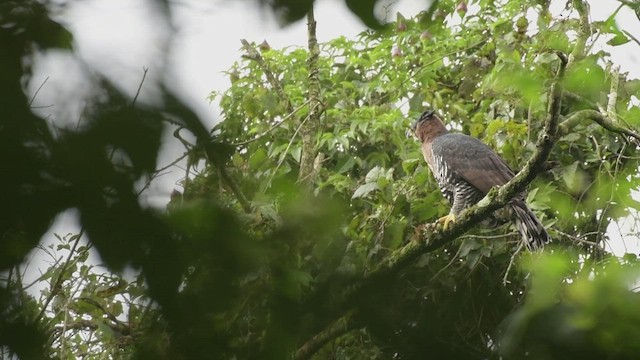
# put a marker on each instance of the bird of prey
(466, 169)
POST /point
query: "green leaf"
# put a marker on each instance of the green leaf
(364, 190)
(618, 39)
(116, 308)
(409, 165)
(346, 164)
(374, 174)
(296, 152)
(569, 174)
(107, 332)
(610, 26)
(257, 158)
(587, 78)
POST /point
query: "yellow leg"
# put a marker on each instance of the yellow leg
(446, 220)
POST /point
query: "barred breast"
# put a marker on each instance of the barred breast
(452, 184)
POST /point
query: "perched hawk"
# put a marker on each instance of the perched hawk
(466, 169)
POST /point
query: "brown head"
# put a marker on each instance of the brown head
(428, 126)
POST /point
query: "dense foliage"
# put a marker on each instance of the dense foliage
(310, 183)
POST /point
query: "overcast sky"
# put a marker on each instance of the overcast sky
(205, 41)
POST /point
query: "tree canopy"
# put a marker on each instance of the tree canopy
(304, 228)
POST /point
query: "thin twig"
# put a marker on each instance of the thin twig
(148, 182)
(159, 172)
(64, 329)
(284, 154)
(581, 241)
(174, 162)
(631, 36)
(513, 257)
(499, 236)
(36, 93)
(273, 127)
(144, 76)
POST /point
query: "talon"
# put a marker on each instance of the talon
(446, 220)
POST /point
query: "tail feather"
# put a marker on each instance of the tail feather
(533, 232)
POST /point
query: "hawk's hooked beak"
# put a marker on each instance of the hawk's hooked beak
(412, 129)
(414, 125)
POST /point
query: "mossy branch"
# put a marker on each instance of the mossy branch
(336, 329)
(315, 109)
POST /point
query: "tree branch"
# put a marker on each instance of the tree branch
(600, 119)
(224, 174)
(144, 76)
(336, 329)
(272, 127)
(307, 154)
(603, 117)
(584, 31)
(613, 92)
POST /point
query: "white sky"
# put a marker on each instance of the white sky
(205, 43)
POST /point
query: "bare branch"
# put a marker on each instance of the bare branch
(36, 93)
(630, 35)
(597, 117)
(273, 127)
(511, 261)
(174, 162)
(144, 76)
(581, 241)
